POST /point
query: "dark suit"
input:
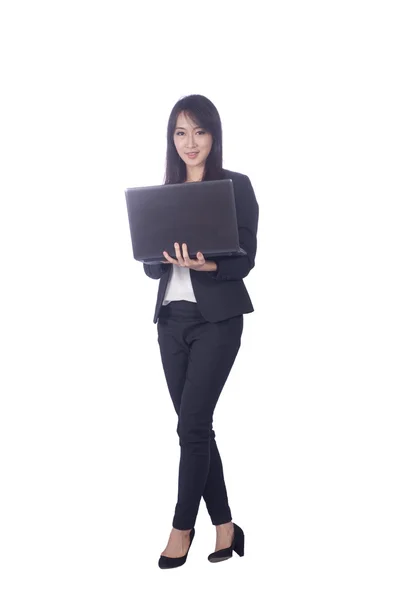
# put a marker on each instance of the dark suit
(222, 294)
(199, 342)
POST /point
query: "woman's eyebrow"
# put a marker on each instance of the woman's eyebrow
(184, 127)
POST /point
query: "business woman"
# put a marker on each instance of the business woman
(199, 315)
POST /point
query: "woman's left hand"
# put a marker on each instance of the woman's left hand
(185, 260)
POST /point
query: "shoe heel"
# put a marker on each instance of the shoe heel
(238, 540)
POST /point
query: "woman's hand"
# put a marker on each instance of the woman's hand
(185, 260)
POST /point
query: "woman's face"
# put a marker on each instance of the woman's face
(188, 137)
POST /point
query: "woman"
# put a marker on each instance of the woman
(199, 310)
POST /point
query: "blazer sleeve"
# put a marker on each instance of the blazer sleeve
(155, 271)
(231, 268)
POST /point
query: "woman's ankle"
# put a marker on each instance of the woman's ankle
(227, 525)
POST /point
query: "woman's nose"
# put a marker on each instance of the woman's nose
(191, 142)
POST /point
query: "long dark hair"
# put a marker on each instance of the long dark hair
(204, 113)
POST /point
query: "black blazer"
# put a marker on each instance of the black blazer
(222, 294)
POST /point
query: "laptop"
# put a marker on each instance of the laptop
(201, 214)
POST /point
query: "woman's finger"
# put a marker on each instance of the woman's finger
(169, 258)
(178, 255)
(186, 256)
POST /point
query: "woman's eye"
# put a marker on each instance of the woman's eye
(182, 132)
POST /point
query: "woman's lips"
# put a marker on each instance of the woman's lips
(192, 154)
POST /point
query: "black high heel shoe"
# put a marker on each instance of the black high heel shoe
(237, 545)
(165, 562)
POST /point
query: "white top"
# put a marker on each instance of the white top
(179, 286)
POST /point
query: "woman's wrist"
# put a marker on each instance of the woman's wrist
(211, 265)
(208, 266)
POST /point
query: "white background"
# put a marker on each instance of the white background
(306, 424)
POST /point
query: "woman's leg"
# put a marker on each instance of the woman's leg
(175, 356)
(215, 493)
(182, 318)
(213, 350)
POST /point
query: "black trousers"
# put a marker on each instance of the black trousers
(197, 357)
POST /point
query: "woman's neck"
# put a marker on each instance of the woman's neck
(194, 173)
